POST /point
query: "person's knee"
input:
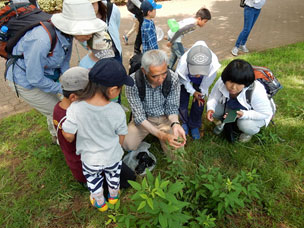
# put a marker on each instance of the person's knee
(249, 127)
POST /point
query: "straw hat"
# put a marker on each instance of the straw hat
(78, 18)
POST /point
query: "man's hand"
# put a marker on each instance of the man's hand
(210, 115)
(171, 139)
(178, 131)
(169, 44)
(197, 96)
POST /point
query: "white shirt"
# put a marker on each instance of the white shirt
(98, 129)
(260, 108)
(182, 71)
(258, 4)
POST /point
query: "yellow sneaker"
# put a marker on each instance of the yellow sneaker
(101, 208)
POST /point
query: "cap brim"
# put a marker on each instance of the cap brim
(199, 70)
(128, 81)
(157, 6)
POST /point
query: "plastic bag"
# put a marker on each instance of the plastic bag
(133, 162)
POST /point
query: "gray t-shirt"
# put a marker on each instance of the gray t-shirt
(98, 129)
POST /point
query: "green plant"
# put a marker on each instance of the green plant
(154, 204)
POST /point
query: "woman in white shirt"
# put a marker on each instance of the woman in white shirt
(229, 93)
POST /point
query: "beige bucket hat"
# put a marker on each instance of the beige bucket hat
(78, 18)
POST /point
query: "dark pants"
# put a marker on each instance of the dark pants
(196, 112)
(138, 40)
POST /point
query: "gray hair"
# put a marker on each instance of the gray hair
(153, 58)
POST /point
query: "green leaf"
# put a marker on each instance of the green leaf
(144, 184)
(209, 186)
(109, 221)
(156, 182)
(162, 220)
(141, 205)
(135, 185)
(164, 184)
(144, 196)
(150, 203)
(161, 193)
(176, 187)
(150, 177)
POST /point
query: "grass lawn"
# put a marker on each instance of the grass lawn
(38, 190)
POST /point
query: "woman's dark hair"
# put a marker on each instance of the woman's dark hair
(238, 71)
(93, 88)
(102, 9)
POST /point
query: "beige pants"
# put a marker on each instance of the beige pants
(136, 134)
(43, 102)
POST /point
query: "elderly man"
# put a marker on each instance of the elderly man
(154, 100)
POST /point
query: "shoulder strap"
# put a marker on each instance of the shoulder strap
(141, 84)
(167, 84)
(50, 29)
(109, 10)
(249, 92)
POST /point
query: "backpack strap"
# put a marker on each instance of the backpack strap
(50, 29)
(167, 85)
(249, 92)
(109, 11)
(141, 84)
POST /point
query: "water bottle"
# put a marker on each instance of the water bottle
(173, 25)
(3, 33)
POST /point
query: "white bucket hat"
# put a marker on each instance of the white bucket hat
(78, 18)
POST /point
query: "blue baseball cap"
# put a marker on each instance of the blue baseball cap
(110, 72)
(148, 5)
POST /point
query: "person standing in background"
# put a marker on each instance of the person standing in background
(252, 11)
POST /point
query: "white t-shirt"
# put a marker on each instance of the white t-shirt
(98, 129)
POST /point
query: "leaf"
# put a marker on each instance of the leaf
(109, 221)
(149, 177)
(150, 203)
(164, 184)
(144, 196)
(156, 182)
(161, 193)
(209, 186)
(162, 220)
(135, 185)
(141, 205)
(144, 184)
(176, 187)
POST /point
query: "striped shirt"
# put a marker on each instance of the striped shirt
(154, 104)
(148, 35)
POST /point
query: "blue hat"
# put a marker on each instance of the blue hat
(148, 5)
(110, 72)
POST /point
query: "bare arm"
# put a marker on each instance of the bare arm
(121, 139)
(68, 136)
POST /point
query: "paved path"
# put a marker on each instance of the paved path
(280, 23)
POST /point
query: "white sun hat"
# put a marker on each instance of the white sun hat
(78, 18)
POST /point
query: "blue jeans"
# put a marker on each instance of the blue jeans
(177, 50)
(196, 112)
(250, 16)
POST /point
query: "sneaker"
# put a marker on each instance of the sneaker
(235, 51)
(186, 128)
(245, 138)
(125, 39)
(101, 208)
(243, 48)
(219, 128)
(195, 133)
(113, 200)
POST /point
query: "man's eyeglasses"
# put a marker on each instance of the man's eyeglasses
(158, 75)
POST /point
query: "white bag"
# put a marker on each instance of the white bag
(131, 161)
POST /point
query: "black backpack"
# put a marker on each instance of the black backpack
(133, 8)
(141, 84)
(20, 18)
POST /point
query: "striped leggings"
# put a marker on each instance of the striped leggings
(95, 177)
